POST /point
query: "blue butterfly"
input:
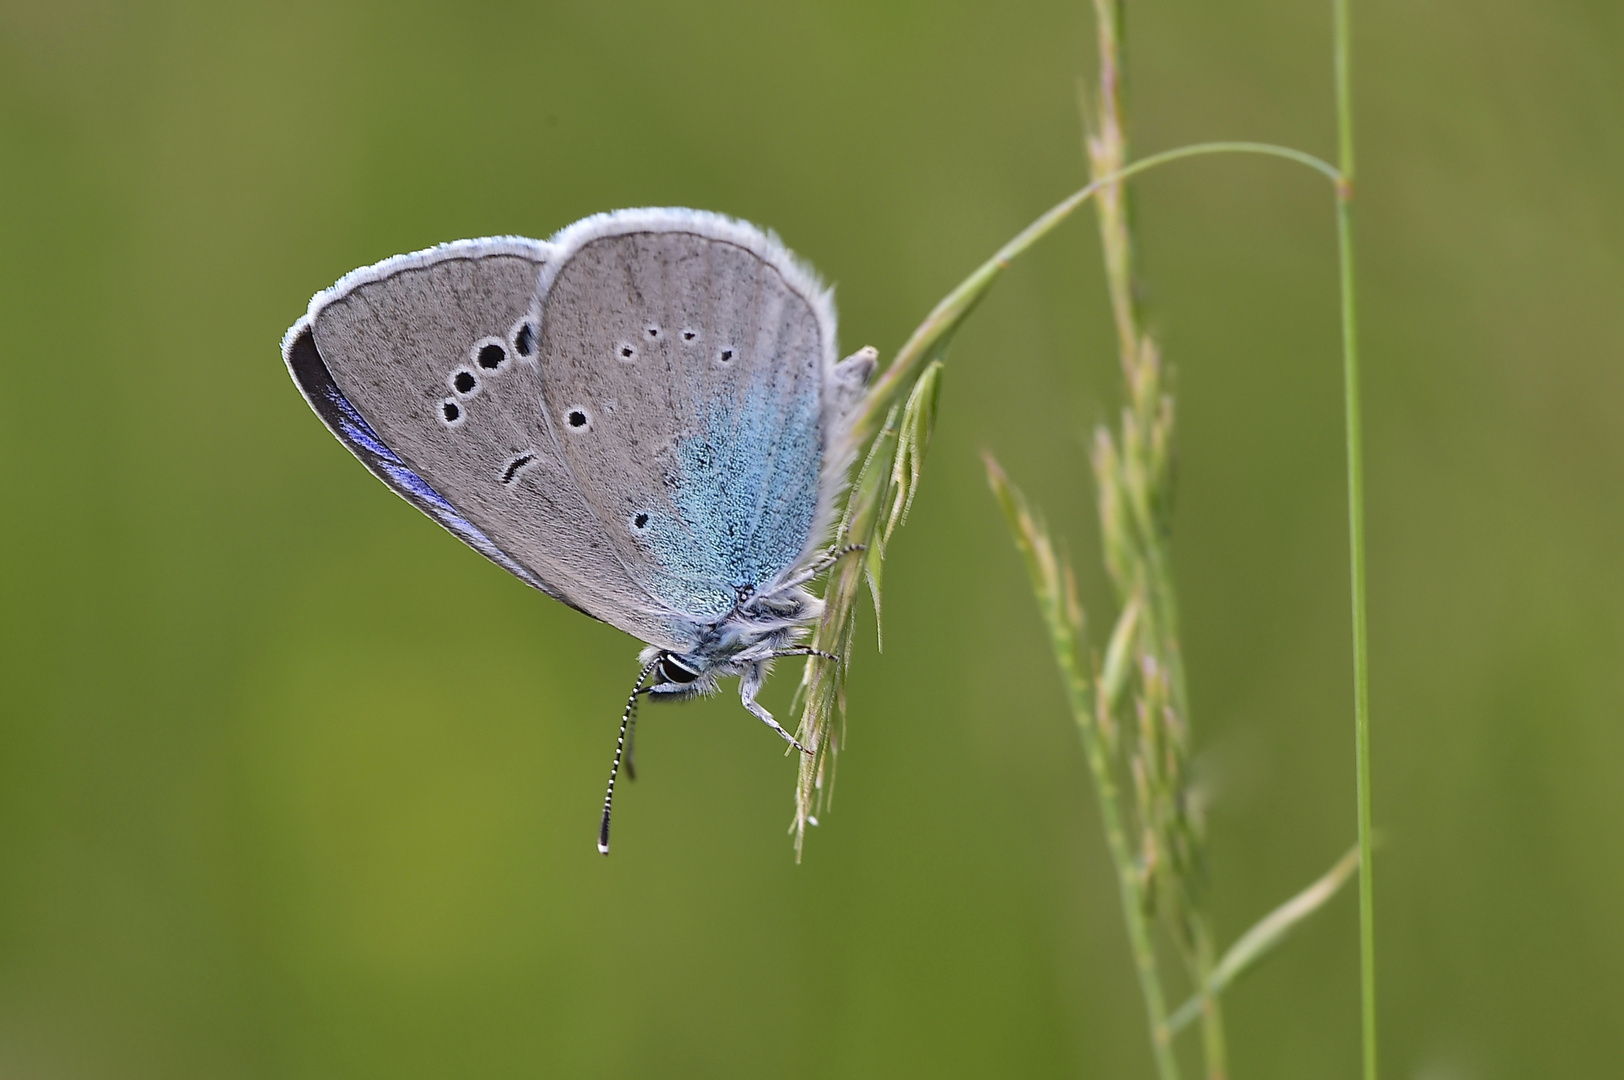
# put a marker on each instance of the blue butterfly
(643, 417)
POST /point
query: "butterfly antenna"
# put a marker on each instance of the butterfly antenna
(622, 744)
(631, 747)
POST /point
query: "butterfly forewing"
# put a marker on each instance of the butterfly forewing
(436, 356)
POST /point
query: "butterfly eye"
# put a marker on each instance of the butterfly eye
(672, 670)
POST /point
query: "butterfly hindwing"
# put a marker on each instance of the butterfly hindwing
(687, 365)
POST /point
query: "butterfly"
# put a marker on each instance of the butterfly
(643, 417)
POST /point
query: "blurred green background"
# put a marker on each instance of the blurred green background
(293, 785)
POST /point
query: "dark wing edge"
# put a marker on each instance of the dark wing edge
(316, 383)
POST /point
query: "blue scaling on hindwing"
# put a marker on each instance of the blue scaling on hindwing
(745, 488)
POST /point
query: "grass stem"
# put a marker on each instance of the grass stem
(1356, 527)
(822, 686)
(1052, 585)
(1262, 938)
(929, 337)
(1127, 869)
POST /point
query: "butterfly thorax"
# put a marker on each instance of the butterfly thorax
(759, 628)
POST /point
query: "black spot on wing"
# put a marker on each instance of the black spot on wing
(524, 341)
(512, 468)
(342, 418)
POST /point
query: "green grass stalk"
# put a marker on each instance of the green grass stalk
(1356, 525)
(929, 338)
(1053, 586)
(822, 685)
(1144, 450)
(1143, 649)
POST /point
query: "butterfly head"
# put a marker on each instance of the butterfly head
(681, 675)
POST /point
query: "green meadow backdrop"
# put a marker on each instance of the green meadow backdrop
(294, 785)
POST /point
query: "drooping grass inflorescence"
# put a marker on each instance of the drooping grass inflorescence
(1131, 705)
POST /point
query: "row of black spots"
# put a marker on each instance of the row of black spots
(628, 352)
(490, 355)
(724, 355)
(453, 411)
(653, 333)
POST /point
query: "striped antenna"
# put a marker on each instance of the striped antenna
(627, 718)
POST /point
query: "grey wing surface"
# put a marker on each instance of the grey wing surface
(425, 366)
(684, 362)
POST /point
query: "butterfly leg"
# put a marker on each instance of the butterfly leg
(749, 686)
(819, 565)
(805, 650)
(835, 554)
